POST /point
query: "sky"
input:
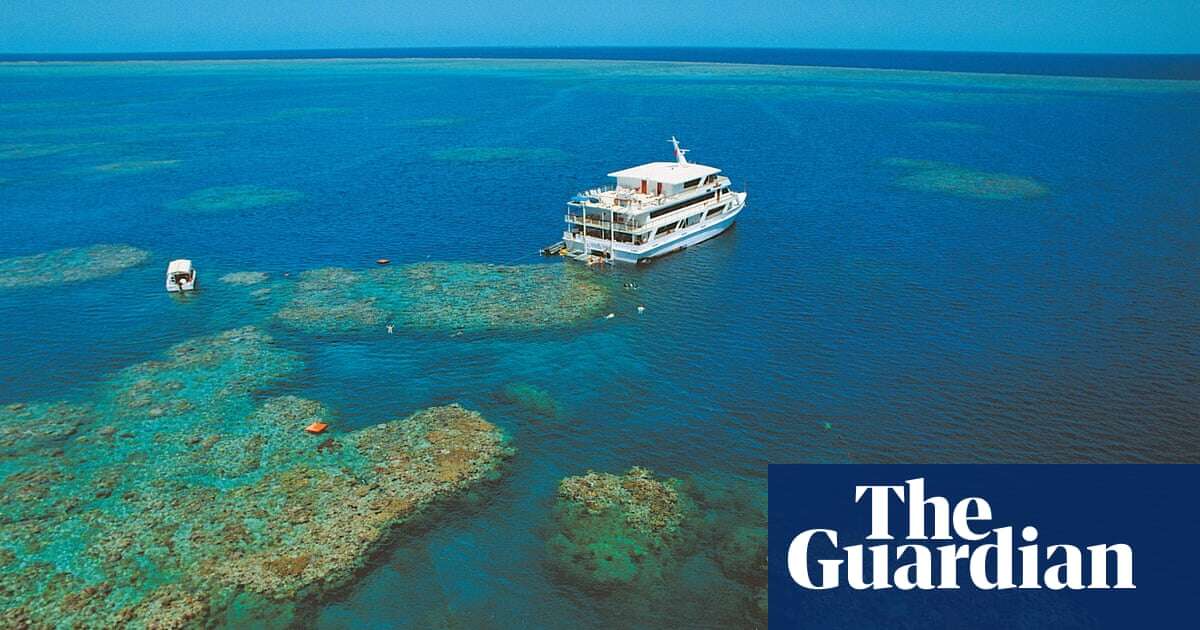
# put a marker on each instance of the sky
(1115, 26)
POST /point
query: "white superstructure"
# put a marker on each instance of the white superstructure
(181, 276)
(653, 209)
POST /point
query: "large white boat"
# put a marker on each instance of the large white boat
(654, 209)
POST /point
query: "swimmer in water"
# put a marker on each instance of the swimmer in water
(390, 328)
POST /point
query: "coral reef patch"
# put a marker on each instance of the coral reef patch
(26, 151)
(496, 154)
(619, 530)
(943, 177)
(134, 166)
(638, 539)
(441, 296)
(530, 398)
(244, 278)
(427, 122)
(234, 198)
(71, 264)
(946, 125)
(174, 497)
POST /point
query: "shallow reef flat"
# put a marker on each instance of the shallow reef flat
(633, 537)
(70, 264)
(943, 177)
(442, 296)
(175, 497)
(233, 198)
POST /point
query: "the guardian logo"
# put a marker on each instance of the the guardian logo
(986, 557)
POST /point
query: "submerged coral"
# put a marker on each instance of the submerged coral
(442, 296)
(495, 154)
(619, 530)
(953, 179)
(232, 198)
(39, 428)
(427, 122)
(304, 112)
(946, 125)
(734, 526)
(71, 264)
(135, 166)
(24, 151)
(244, 277)
(530, 398)
(645, 541)
(175, 499)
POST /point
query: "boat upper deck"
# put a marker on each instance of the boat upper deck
(654, 187)
(669, 173)
(633, 200)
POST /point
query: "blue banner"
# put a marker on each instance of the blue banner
(983, 546)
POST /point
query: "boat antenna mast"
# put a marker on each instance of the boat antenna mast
(679, 157)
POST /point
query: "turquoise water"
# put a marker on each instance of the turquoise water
(932, 267)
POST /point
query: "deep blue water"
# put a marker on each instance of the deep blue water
(1139, 66)
(852, 315)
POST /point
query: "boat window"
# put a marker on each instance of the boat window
(716, 210)
(691, 183)
(667, 228)
(602, 233)
(682, 204)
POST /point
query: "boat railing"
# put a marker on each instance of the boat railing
(618, 221)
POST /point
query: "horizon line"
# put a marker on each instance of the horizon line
(596, 47)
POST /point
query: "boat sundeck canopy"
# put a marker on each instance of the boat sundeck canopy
(180, 266)
(667, 172)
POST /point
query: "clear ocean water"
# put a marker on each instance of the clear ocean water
(932, 267)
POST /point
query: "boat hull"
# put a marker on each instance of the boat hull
(684, 238)
(178, 287)
(702, 233)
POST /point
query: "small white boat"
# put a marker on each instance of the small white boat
(181, 276)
